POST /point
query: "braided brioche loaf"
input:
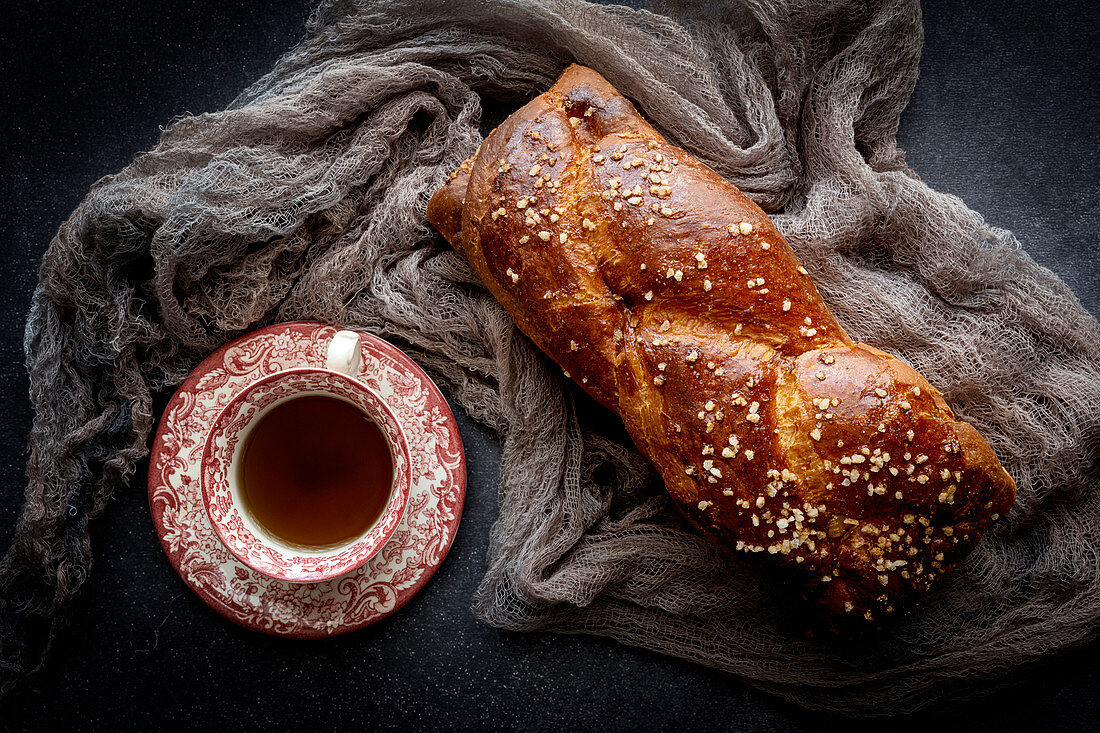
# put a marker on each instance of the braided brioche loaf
(670, 297)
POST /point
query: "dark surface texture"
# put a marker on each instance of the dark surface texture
(1004, 116)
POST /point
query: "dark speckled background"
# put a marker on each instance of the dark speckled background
(1004, 116)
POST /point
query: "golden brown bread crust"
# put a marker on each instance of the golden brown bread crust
(670, 297)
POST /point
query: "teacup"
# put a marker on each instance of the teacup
(222, 483)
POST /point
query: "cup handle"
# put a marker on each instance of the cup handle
(343, 353)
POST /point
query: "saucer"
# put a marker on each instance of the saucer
(355, 599)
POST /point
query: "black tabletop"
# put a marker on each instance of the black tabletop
(1004, 116)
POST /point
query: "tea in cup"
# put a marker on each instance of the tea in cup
(306, 472)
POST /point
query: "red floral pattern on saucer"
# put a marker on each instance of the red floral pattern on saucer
(330, 607)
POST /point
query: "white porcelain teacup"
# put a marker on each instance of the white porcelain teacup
(247, 539)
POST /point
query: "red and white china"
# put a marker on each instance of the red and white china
(238, 382)
(220, 476)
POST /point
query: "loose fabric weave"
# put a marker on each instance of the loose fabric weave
(305, 200)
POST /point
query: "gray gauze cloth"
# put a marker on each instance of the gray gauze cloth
(306, 198)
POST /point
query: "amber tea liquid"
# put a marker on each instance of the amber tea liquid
(316, 472)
